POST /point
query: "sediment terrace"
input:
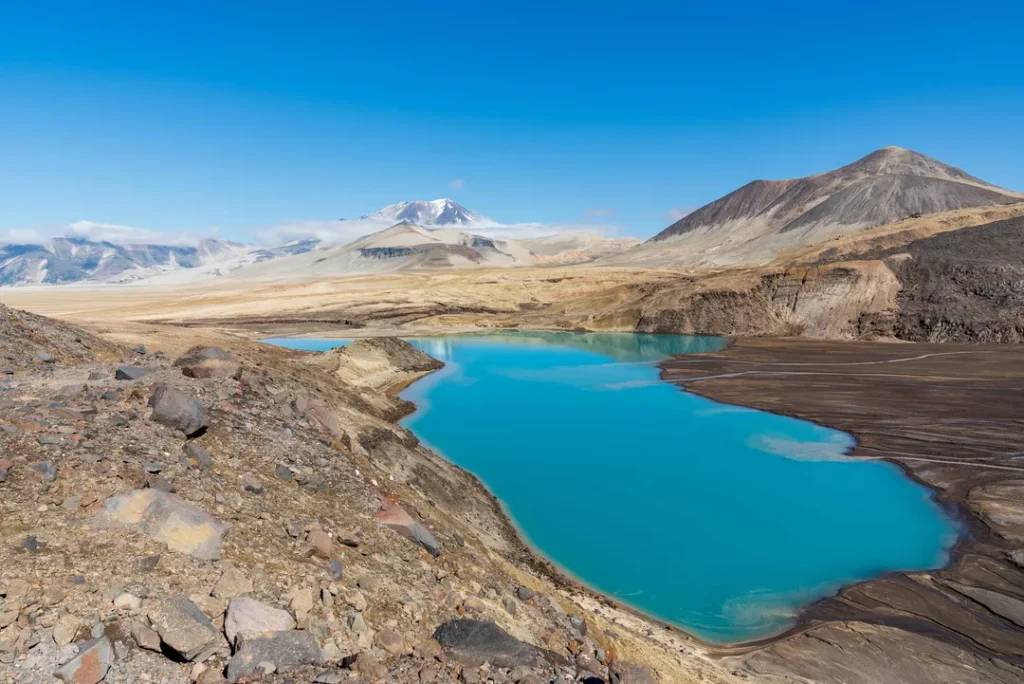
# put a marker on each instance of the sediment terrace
(952, 417)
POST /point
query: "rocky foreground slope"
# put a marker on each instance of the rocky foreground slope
(243, 513)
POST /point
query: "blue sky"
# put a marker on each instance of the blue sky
(234, 117)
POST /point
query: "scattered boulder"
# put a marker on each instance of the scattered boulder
(196, 456)
(90, 665)
(249, 616)
(183, 527)
(252, 484)
(631, 673)
(208, 362)
(320, 542)
(45, 357)
(5, 468)
(183, 627)
(69, 392)
(177, 410)
(145, 638)
(285, 650)
(394, 516)
(47, 470)
(525, 593)
(130, 372)
(232, 584)
(474, 642)
(392, 642)
(139, 349)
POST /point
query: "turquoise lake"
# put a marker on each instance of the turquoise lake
(722, 520)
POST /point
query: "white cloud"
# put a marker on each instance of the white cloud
(22, 236)
(100, 232)
(457, 184)
(125, 235)
(676, 213)
(330, 232)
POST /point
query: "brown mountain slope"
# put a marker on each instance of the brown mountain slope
(763, 218)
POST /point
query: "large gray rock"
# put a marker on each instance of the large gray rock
(183, 527)
(183, 627)
(90, 665)
(474, 642)
(286, 650)
(177, 409)
(249, 616)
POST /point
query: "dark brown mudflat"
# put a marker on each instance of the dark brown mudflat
(953, 418)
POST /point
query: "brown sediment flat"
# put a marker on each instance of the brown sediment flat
(952, 417)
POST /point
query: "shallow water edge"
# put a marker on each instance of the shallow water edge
(800, 621)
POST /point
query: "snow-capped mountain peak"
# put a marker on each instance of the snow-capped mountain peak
(439, 212)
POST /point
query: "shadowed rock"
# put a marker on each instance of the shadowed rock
(286, 650)
(177, 409)
(183, 627)
(130, 372)
(183, 527)
(394, 516)
(473, 642)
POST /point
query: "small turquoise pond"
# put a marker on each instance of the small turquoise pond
(722, 520)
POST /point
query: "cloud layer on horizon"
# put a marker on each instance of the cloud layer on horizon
(329, 232)
(102, 232)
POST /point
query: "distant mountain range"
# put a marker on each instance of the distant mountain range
(406, 246)
(766, 217)
(752, 225)
(404, 236)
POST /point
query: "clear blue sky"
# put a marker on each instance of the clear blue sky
(188, 115)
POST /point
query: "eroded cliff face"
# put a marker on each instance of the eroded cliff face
(817, 301)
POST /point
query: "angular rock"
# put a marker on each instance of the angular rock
(285, 650)
(183, 527)
(249, 616)
(130, 372)
(177, 410)
(69, 392)
(320, 542)
(5, 468)
(232, 584)
(252, 484)
(47, 470)
(392, 642)
(183, 627)
(208, 362)
(196, 456)
(525, 593)
(394, 516)
(145, 638)
(630, 673)
(90, 665)
(474, 642)
(65, 629)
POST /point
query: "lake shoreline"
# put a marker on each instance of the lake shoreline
(806, 379)
(801, 622)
